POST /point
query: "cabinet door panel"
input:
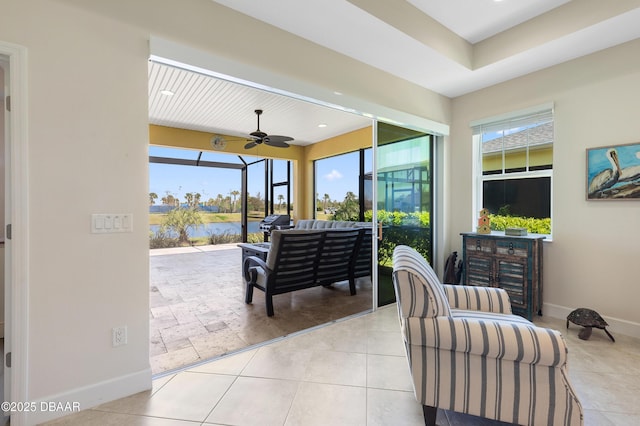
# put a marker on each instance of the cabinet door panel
(479, 270)
(512, 276)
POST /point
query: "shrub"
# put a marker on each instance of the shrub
(422, 219)
(228, 238)
(533, 225)
(161, 239)
(181, 221)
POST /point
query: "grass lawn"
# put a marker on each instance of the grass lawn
(156, 218)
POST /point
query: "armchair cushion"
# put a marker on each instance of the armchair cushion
(427, 298)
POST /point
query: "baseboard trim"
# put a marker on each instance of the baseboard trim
(616, 325)
(89, 396)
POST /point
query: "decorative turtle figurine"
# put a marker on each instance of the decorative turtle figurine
(588, 318)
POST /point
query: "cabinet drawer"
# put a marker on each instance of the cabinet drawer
(513, 248)
(480, 245)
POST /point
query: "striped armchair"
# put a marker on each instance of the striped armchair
(468, 353)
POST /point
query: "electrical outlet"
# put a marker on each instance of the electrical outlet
(119, 336)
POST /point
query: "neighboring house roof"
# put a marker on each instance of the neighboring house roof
(533, 136)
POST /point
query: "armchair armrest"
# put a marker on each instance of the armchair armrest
(250, 268)
(475, 298)
(495, 339)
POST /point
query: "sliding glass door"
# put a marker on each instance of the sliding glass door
(404, 194)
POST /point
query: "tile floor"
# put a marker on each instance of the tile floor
(197, 308)
(352, 372)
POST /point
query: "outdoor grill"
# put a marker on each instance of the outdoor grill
(275, 221)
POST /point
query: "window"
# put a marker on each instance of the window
(336, 181)
(515, 169)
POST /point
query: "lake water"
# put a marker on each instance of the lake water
(218, 228)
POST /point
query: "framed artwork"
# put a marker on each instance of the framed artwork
(613, 172)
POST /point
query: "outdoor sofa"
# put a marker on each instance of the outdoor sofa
(313, 253)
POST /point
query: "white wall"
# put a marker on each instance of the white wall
(592, 261)
(87, 135)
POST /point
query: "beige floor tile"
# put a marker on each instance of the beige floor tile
(278, 363)
(252, 401)
(338, 368)
(322, 404)
(398, 408)
(187, 396)
(385, 343)
(99, 418)
(344, 336)
(608, 392)
(597, 418)
(388, 372)
(159, 382)
(232, 364)
(386, 319)
(620, 419)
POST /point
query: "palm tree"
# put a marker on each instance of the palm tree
(349, 208)
(152, 198)
(326, 200)
(181, 221)
(168, 200)
(219, 201)
(280, 200)
(189, 197)
(235, 194)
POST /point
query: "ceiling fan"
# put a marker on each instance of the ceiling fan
(271, 140)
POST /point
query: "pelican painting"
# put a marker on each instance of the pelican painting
(613, 172)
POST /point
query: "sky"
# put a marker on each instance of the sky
(336, 176)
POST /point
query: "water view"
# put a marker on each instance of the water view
(218, 228)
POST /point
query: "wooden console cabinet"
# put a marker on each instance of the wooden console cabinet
(508, 262)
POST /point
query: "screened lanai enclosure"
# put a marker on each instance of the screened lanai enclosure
(233, 193)
(245, 188)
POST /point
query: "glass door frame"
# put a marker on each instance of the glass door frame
(433, 188)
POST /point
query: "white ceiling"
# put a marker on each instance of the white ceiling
(517, 37)
(476, 20)
(211, 105)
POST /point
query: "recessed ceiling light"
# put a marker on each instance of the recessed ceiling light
(337, 93)
(322, 125)
(167, 92)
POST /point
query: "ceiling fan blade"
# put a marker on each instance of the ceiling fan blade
(277, 143)
(277, 140)
(250, 145)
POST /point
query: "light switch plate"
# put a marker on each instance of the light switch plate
(105, 223)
